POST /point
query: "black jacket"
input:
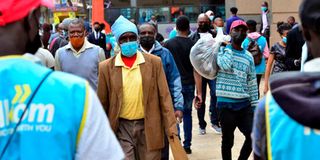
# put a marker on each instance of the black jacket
(295, 42)
(196, 36)
(101, 41)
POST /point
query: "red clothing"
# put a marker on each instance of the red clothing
(129, 61)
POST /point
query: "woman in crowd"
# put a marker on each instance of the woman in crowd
(277, 54)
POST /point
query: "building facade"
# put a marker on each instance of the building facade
(280, 11)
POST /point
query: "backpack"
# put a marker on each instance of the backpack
(254, 49)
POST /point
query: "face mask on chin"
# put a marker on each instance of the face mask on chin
(147, 42)
(33, 46)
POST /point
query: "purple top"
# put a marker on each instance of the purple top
(229, 22)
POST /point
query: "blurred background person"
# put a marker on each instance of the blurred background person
(276, 61)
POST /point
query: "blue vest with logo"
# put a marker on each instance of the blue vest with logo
(53, 122)
(286, 138)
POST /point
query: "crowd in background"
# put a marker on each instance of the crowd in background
(146, 85)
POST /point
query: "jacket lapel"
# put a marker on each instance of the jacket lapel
(146, 74)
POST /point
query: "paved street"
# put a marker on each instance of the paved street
(208, 147)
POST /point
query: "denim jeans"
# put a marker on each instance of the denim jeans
(188, 96)
(213, 100)
(230, 119)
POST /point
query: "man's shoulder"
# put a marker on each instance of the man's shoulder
(151, 57)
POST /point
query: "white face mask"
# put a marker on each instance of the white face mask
(211, 18)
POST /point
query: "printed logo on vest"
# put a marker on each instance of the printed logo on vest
(37, 118)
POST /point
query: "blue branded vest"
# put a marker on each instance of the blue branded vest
(286, 138)
(53, 122)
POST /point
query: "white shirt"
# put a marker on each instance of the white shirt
(312, 66)
(96, 34)
(46, 57)
(264, 21)
(304, 56)
(144, 51)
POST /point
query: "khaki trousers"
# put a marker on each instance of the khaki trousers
(133, 141)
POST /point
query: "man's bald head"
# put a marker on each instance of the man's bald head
(203, 23)
(218, 22)
(203, 17)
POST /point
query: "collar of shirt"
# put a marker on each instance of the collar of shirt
(150, 51)
(312, 66)
(119, 63)
(85, 46)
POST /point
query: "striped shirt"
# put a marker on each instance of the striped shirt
(236, 79)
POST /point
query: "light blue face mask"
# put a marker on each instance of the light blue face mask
(284, 40)
(264, 9)
(129, 49)
(219, 29)
(211, 18)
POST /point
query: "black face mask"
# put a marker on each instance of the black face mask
(97, 29)
(33, 46)
(238, 37)
(147, 41)
(204, 27)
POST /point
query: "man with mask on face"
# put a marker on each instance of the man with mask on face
(45, 114)
(203, 30)
(135, 95)
(98, 38)
(265, 21)
(148, 44)
(237, 92)
(80, 57)
(218, 25)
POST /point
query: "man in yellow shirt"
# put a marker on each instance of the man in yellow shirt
(134, 92)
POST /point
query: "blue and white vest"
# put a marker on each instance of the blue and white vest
(286, 138)
(53, 122)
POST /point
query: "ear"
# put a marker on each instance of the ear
(32, 24)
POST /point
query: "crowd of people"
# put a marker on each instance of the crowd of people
(124, 94)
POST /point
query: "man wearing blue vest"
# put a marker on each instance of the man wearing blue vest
(80, 57)
(286, 122)
(45, 114)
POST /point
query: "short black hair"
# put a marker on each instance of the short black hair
(252, 25)
(292, 18)
(266, 3)
(281, 26)
(147, 24)
(310, 15)
(96, 23)
(183, 23)
(234, 10)
(102, 25)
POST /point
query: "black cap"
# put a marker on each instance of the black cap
(310, 13)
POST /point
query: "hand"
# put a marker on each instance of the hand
(179, 115)
(197, 101)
